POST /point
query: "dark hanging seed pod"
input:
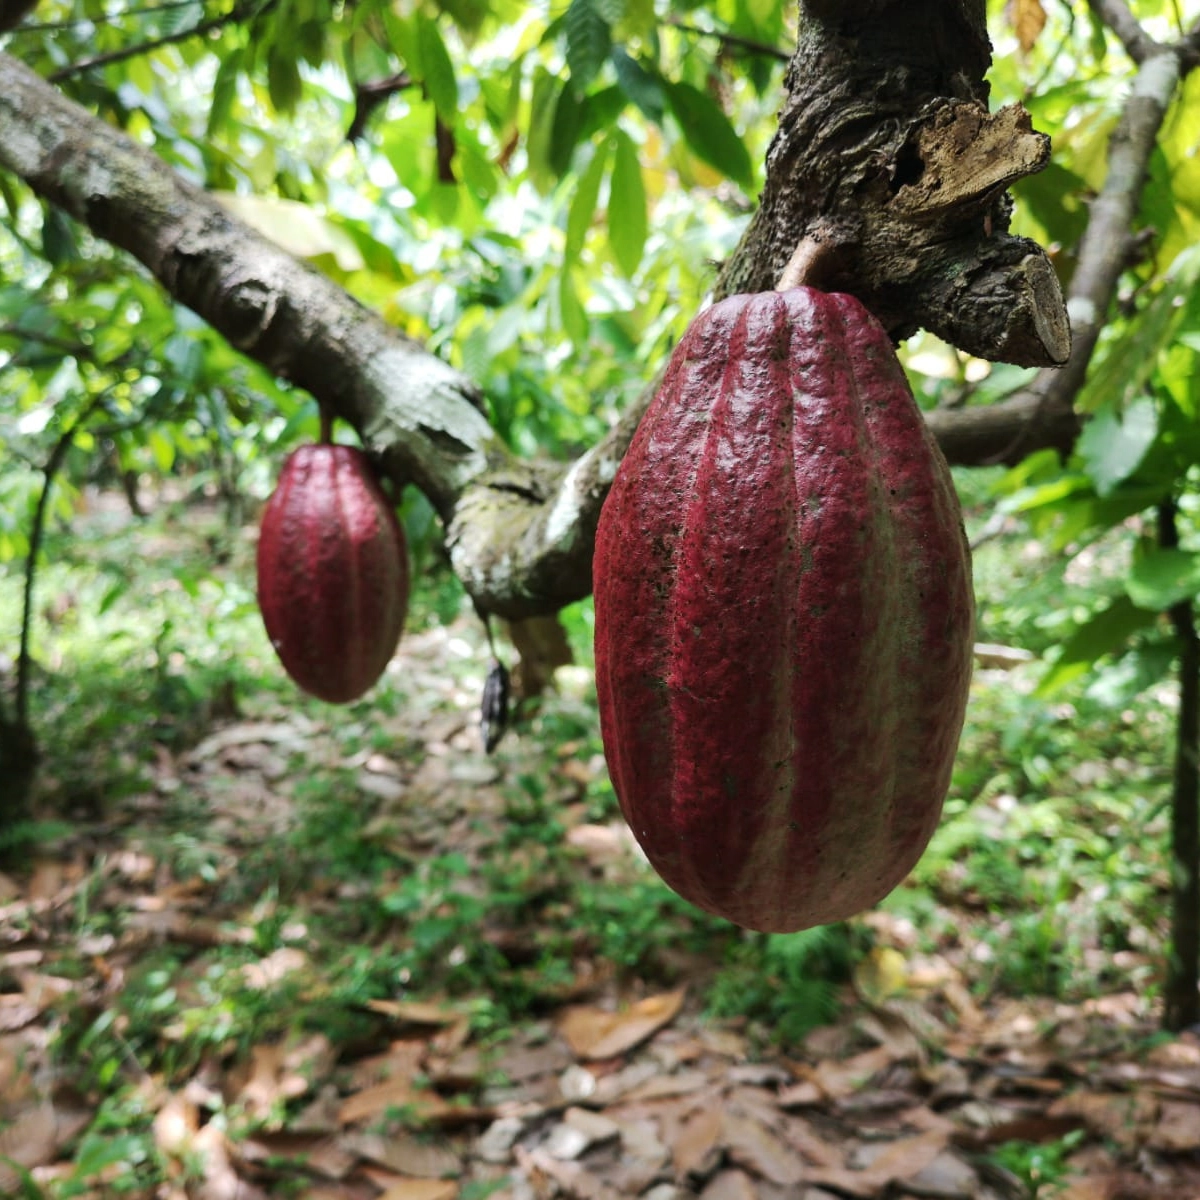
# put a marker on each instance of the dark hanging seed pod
(493, 716)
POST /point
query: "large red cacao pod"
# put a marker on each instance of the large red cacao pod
(784, 616)
(332, 572)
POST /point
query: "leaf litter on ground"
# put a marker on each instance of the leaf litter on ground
(258, 1070)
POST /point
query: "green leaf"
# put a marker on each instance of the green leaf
(466, 14)
(1113, 444)
(571, 310)
(626, 204)
(1162, 578)
(543, 111)
(764, 13)
(601, 110)
(310, 42)
(1103, 633)
(437, 70)
(589, 40)
(583, 204)
(709, 133)
(565, 132)
(58, 236)
(224, 90)
(642, 86)
(283, 80)
(1129, 362)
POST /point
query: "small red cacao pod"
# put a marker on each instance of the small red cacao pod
(332, 572)
(784, 616)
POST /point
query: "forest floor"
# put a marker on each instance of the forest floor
(280, 949)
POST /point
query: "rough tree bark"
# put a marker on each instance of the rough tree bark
(886, 149)
(886, 154)
(1181, 1000)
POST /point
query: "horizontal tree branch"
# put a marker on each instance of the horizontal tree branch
(138, 48)
(520, 533)
(1116, 15)
(118, 18)
(750, 45)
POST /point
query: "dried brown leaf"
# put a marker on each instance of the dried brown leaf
(16, 1012)
(596, 1033)
(1094, 1187)
(316, 1152)
(30, 1141)
(1177, 1130)
(750, 1144)
(48, 880)
(723, 1042)
(594, 1126)
(397, 1092)
(1035, 1128)
(420, 1189)
(600, 844)
(1028, 19)
(218, 1178)
(405, 1154)
(813, 1148)
(695, 1144)
(947, 1176)
(414, 1012)
(682, 1083)
(894, 1162)
(804, 1094)
(640, 1140)
(573, 1180)
(521, 1061)
(730, 1185)
(175, 1124)
(277, 966)
(838, 1079)
(1126, 1118)
(404, 1058)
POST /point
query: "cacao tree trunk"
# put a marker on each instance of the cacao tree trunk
(1182, 993)
(18, 764)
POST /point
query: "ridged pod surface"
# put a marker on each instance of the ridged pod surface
(332, 572)
(784, 616)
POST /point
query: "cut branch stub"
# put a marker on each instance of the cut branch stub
(889, 161)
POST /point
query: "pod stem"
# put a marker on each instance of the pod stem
(486, 620)
(813, 262)
(326, 426)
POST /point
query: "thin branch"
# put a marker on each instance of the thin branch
(1116, 15)
(369, 95)
(147, 47)
(765, 49)
(104, 18)
(1190, 46)
(49, 471)
(78, 349)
